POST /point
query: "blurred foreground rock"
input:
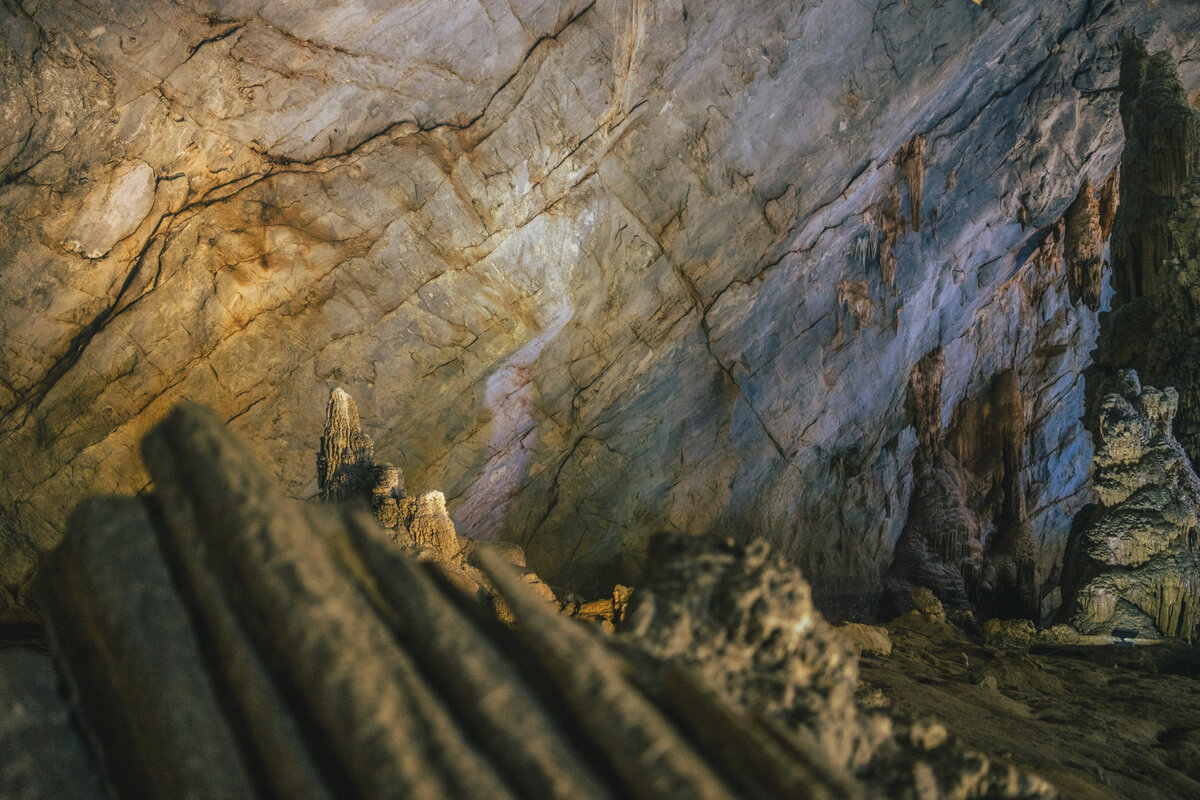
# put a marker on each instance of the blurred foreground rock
(219, 640)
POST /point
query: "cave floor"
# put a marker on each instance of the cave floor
(1098, 722)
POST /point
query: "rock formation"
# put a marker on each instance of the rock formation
(583, 258)
(221, 640)
(939, 547)
(967, 537)
(742, 620)
(1154, 327)
(1135, 562)
(44, 758)
(418, 526)
(1084, 245)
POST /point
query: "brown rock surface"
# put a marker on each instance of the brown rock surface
(742, 619)
(582, 258)
(1097, 722)
(419, 526)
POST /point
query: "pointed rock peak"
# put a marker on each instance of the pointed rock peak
(346, 460)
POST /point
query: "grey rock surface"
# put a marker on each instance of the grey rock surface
(44, 756)
(595, 270)
(1153, 327)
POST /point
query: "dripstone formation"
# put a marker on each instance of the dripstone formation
(967, 537)
(419, 526)
(1135, 560)
(1154, 327)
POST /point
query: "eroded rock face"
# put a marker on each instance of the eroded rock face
(598, 268)
(1137, 556)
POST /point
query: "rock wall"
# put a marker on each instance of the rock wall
(594, 269)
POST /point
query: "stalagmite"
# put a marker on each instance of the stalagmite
(1135, 563)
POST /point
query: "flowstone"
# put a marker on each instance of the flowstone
(1134, 561)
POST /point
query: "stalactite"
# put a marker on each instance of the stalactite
(939, 547)
(852, 296)
(911, 159)
(888, 213)
(1083, 245)
(1110, 196)
(1154, 328)
(1162, 151)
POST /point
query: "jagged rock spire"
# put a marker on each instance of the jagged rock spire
(346, 460)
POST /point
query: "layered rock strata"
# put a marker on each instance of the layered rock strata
(224, 641)
(584, 260)
(1135, 559)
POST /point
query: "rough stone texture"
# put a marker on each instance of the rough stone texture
(581, 263)
(742, 619)
(967, 537)
(141, 678)
(1154, 327)
(1084, 247)
(346, 460)
(1135, 561)
(870, 639)
(1096, 721)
